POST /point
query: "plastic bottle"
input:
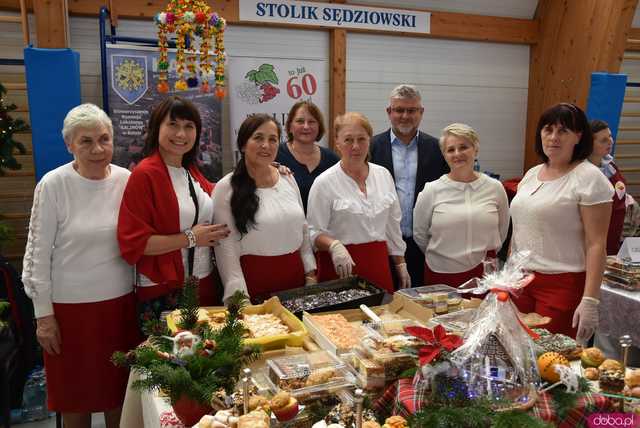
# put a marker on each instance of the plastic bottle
(34, 398)
(476, 165)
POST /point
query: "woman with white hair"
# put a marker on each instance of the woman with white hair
(80, 286)
(461, 217)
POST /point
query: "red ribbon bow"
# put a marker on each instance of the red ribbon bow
(436, 340)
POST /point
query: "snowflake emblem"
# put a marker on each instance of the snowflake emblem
(130, 75)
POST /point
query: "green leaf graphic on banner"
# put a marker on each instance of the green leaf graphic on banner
(264, 74)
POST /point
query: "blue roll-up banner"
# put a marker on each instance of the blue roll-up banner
(606, 96)
(53, 87)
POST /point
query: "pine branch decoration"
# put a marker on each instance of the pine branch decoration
(215, 365)
(189, 303)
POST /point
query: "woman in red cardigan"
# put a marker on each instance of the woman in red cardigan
(163, 225)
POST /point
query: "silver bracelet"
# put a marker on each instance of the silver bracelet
(191, 238)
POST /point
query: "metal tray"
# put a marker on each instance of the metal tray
(353, 282)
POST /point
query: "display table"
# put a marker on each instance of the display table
(144, 409)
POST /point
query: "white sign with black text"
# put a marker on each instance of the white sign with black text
(335, 15)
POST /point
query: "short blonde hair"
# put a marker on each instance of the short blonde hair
(85, 116)
(349, 118)
(460, 130)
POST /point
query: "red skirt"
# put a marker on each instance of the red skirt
(556, 296)
(372, 263)
(82, 379)
(269, 274)
(208, 291)
(454, 280)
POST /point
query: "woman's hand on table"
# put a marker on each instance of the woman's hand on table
(586, 318)
(310, 278)
(48, 334)
(208, 235)
(342, 261)
(404, 278)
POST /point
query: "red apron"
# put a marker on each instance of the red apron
(454, 279)
(372, 263)
(82, 379)
(268, 274)
(618, 211)
(556, 296)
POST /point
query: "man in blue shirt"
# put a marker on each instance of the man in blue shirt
(413, 158)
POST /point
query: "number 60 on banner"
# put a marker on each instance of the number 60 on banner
(307, 86)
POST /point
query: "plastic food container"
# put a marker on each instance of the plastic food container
(440, 298)
(313, 298)
(389, 352)
(369, 374)
(309, 376)
(323, 339)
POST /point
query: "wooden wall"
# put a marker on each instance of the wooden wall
(576, 38)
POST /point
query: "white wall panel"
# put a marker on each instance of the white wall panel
(481, 84)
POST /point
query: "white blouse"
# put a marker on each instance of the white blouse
(339, 209)
(280, 228)
(455, 223)
(72, 253)
(546, 216)
(202, 263)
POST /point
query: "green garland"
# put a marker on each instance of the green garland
(215, 365)
(475, 414)
(480, 414)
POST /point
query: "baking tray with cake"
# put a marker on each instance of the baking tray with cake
(309, 376)
(345, 293)
(269, 324)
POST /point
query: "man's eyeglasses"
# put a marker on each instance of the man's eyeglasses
(409, 111)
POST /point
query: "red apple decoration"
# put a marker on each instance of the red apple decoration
(284, 406)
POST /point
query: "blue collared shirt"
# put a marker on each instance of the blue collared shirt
(405, 169)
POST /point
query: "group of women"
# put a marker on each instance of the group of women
(92, 222)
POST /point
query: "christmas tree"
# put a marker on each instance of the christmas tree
(8, 127)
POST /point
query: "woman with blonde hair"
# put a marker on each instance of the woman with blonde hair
(354, 213)
(463, 216)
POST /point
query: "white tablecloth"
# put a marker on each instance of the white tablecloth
(144, 409)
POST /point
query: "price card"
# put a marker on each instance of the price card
(630, 250)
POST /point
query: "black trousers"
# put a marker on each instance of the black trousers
(415, 264)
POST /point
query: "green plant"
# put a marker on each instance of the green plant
(214, 365)
(6, 234)
(8, 127)
(4, 314)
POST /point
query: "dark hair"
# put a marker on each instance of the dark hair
(244, 201)
(598, 125)
(177, 108)
(572, 117)
(315, 112)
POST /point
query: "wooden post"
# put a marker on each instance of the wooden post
(576, 38)
(52, 23)
(337, 78)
